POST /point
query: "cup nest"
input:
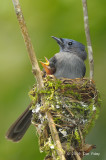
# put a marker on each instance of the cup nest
(74, 105)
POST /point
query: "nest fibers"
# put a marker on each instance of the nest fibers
(74, 105)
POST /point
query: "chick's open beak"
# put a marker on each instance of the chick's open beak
(46, 66)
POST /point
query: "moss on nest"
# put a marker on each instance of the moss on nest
(74, 105)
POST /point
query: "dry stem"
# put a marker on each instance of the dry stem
(87, 32)
(37, 73)
(55, 136)
(35, 67)
(75, 153)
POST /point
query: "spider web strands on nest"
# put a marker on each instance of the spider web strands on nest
(72, 118)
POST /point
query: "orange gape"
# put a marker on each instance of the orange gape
(47, 67)
(48, 71)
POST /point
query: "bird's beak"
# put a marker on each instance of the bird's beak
(59, 40)
(45, 64)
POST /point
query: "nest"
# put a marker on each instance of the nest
(74, 105)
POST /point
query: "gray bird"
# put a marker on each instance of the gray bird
(68, 63)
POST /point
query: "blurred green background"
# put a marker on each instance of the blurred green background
(61, 18)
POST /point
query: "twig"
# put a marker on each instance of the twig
(37, 73)
(68, 110)
(35, 67)
(87, 32)
(75, 153)
(55, 136)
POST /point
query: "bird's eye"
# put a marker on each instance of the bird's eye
(69, 43)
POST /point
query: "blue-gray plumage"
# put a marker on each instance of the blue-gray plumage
(69, 62)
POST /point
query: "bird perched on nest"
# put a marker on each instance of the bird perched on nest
(68, 63)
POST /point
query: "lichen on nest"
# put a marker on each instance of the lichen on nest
(74, 105)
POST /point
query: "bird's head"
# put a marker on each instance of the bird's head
(49, 67)
(71, 46)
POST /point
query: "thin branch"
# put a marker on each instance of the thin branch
(87, 32)
(37, 73)
(55, 136)
(75, 153)
(35, 67)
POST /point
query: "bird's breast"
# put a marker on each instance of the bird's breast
(69, 65)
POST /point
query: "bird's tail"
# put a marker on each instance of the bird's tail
(20, 126)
